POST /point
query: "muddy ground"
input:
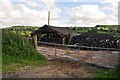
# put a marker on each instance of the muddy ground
(107, 59)
(55, 69)
(67, 64)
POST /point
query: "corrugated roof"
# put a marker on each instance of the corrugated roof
(60, 30)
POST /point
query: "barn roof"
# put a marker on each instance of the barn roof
(60, 30)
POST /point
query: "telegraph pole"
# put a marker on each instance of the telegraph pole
(48, 18)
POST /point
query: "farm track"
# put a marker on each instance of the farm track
(63, 66)
(54, 69)
(108, 59)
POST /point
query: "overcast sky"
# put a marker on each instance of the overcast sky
(63, 12)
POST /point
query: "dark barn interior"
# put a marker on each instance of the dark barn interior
(53, 34)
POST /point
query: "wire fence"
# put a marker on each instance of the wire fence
(59, 50)
(75, 53)
(58, 43)
(65, 51)
(52, 49)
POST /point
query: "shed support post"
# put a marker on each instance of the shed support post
(63, 40)
(35, 42)
(68, 38)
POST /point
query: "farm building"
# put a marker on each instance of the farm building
(53, 34)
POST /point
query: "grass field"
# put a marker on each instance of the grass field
(104, 29)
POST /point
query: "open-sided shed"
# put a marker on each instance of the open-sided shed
(53, 34)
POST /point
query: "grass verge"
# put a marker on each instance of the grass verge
(111, 74)
(18, 52)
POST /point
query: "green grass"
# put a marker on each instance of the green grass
(113, 73)
(17, 52)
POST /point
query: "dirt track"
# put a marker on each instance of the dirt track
(54, 69)
(102, 58)
(62, 68)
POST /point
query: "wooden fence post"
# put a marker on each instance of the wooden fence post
(35, 42)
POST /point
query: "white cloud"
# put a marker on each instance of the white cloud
(87, 15)
(93, 14)
(21, 13)
(110, 1)
(30, 12)
(112, 6)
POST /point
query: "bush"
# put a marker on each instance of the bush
(15, 49)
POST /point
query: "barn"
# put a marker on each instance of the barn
(54, 34)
